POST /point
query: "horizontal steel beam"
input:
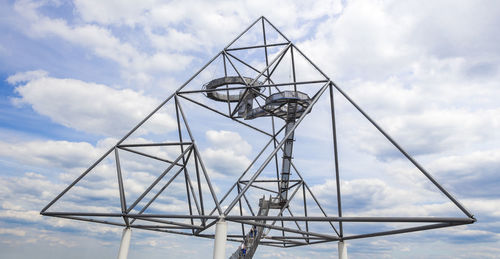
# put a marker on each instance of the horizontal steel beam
(168, 222)
(292, 237)
(356, 219)
(90, 220)
(258, 46)
(225, 115)
(150, 156)
(161, 227)
(268, 181)
(155, 144)
(230, 217)
(404, 230)
(253, 223)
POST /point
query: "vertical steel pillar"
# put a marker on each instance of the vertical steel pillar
(125, 243)
(342, 250)
(287, 157)
(287, 152)
(220, 239)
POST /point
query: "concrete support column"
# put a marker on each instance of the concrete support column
(220, 239)
(125, 243)
(342, 250)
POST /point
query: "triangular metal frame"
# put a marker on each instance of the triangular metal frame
(178, 166)
(189, 152)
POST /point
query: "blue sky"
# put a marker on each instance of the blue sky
(75, 76)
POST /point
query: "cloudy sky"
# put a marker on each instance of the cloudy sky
(75, 76)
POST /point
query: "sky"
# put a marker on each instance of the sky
(75, 76)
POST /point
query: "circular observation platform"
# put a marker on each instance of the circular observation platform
(226, 96)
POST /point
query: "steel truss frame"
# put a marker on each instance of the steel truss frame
(290, 237)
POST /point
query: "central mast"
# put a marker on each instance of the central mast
(286, 105)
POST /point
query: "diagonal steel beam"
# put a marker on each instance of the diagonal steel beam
(241, 34)
(225, 115)
(162, 189)
(126, 136)
(186, 174)
(272, 25)
(158, 179)
(314, 197)
(268, 159)
(197, 153)
(412, 160)
(281, 53)
(258, 46)
(147, 155)
(283, 228)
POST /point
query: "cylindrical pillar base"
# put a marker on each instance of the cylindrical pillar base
(125, 244)
(220, 239)
(342, 250)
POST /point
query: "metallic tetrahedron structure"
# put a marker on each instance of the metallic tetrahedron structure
(262, 83)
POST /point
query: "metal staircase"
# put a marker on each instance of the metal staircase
(252, 239)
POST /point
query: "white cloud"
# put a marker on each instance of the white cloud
(62, 154)
(126, 12)
(200, 21)
(374, 197)
(467, 161)
(136, 64)
(228, 140)
(225, 161)
(26, 76)
(89, 107)
(174, 40)
(229, 153)
(429, 101)
(97, 191)
(375, 40)
(346, 37)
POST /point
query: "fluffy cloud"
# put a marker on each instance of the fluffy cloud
(26, 76)
(229, 140)
(61, 154)
(430, 98)
(89, 107)
(229, 153)
(136, 64)
(201, 20)
(468, 170)
(400, 35)
(374, 197)
(23, 199)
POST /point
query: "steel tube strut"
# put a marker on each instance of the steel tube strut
(404, 230)
(413, 161)
(333, 219)
(197, 153)
(276, 149)
(127, 135)
(336, 157)
(241, 34)
(161, 190)
(158, 179)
